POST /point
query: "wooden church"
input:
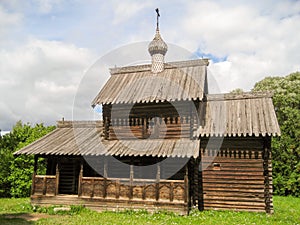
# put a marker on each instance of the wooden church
(164, 143)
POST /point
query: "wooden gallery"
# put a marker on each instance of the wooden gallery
(163, 143)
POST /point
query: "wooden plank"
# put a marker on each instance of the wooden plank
(110, 204)
(57, 180)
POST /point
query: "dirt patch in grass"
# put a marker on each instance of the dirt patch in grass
(28, 216)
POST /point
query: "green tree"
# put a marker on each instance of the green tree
(237, 91)
(16, 172)
(285, 149)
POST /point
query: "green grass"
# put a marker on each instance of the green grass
(287, 211)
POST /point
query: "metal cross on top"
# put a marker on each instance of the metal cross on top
(157, 23)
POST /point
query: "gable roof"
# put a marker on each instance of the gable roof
(244, 114)
(184, 80)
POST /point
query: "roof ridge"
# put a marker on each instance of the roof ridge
(168, 65)
(238, 96)
(79, 123)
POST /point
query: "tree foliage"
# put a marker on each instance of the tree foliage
(237, 91)
(285, 149)
(16, 172)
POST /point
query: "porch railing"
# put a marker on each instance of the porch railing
(138, 189)
(44, 185)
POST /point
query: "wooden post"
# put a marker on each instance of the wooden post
(144, 191)
(44, 185)
(200, 182)
(191, 120)
(34, 174)
(192, 181)
(117, 188)
(106, 120)
(144, 134)
(105, 168)
(157, 182)
(93, 188)
(105, 178)
(57, 180)
(80, 179)
(186, 185)
(171, 191)
(106, 128)
(157, 124)
(131, 182)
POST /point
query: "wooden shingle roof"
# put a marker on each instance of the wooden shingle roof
(244, 114)
(84, 138)
(185, 80)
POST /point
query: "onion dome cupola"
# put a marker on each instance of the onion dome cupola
(157, 49)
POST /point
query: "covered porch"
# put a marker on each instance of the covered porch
(83, 168)
(80, 184)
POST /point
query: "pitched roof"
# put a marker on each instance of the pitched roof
(84, 138)
(238, 115)
(184, 80)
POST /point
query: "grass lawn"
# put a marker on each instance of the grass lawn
(287, 211)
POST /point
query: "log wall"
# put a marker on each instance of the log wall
(237, 176)
(158, 120)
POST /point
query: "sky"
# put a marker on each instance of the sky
(47, 47)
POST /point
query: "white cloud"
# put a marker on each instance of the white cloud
(257, 41)
(39, 81)
(39, 77)
(8, 23)
(46, 6)
(124, 10)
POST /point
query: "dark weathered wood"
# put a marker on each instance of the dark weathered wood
(104, 187)
(168, 190)
(186, 186)
(241, 181)
(57, 180)
(80, 179)
(117, 189)
(171, 192)
(44, 185)
(164, 127)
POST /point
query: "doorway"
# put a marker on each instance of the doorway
(68, 176)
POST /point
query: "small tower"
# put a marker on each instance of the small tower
(157, 49)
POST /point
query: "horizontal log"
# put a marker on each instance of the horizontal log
(235, 203)
(134, 180)
(222, 181)
(232, 160)
(46, 176)
(235, 169)
(234, 194)
(235, 190)
(234, 198)
(235, 208)
(229, 185)
(233, 173)
(232, 177)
